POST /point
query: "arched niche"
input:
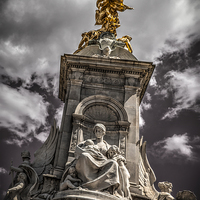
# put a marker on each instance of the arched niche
(104, 100)
(100, 109)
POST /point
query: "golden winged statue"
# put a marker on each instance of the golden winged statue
(106, 16)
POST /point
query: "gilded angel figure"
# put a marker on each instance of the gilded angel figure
(107, 15)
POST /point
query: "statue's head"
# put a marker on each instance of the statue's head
(99, 130)
(113, 150)
(72, 170)
(165, 186)
(88, 142)
(26, 157)
(83, 34)
(21, 177)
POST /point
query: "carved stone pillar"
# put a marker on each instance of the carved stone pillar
(131, 105)
(74, 83)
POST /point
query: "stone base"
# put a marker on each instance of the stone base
(139, 197)
(83, 195)
(91, 195)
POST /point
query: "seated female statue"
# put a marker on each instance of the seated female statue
(96, 169)
(93, 167)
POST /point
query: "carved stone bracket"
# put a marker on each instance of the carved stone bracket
(76, 73)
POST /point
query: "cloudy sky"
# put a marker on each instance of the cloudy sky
(33, 36)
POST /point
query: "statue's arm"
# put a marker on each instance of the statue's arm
(119, 158)
(81, 43)
(16, 188)
(170, 197)
(16, 169)
(69, 177)
(97, 3)
(127, 7)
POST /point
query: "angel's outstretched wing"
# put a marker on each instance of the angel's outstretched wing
(146, 174)
(44, 156)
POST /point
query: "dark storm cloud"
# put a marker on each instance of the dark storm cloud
(186, 90)
(177, 77)
(175, 83)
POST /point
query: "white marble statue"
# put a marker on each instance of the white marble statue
(166, 189)
(98, 168)
(114, 153)
(71, 181)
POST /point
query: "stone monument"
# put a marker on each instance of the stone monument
(96, 153)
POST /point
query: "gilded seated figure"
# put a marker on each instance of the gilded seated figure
(98, 168)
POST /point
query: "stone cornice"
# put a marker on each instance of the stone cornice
(126, 68)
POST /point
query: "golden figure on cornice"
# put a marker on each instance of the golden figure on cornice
(86, 37)
(107, 16)
(126, 39)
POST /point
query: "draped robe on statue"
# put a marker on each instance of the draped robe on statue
(95, 170)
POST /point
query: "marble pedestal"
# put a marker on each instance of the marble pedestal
(83, 195)
(91, 195)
